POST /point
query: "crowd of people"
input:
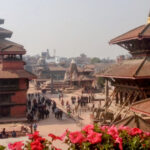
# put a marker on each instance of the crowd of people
(76, 102)
(39, 108)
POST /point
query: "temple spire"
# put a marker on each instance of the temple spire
(148, 19)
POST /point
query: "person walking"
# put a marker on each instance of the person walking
(35, 127)
(62, 102)
(56, 113)
(59, 96)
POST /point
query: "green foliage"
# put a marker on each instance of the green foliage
(2, 147)
(95, 60)
(135, 143)
(101, 82)
(86, 146)
(97, 128)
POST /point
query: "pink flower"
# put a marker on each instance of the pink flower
(64, 134)
(16, 146)
(40, 139)
(94, 137)
(54, 137)
(135, 131)
(124, 128)
(76, 137)
(113, 132)
(147, 134)
(88, 128)
(104, 128)
(36, 145)
(34, 136)
(119, 141)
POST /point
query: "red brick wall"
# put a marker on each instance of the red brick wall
(23, 84)
(18, 111)
(19, 98)
(14, 65)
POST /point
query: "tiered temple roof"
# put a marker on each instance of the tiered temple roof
(11, 49)
(133, 69)
(6, 45)
(15, 74)
(139, 33)
(137, 42)
(5, 33)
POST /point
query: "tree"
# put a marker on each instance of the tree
(101, 82)
(95, 60)
(83, 55)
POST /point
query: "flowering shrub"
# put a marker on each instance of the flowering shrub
(91, 137)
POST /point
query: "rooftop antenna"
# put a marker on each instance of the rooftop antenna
(48, 55)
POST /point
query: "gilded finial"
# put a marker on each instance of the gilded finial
(148, 19)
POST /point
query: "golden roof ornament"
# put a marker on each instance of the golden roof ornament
(148, 19)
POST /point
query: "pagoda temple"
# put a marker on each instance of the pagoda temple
(131, 78)
(14, 80)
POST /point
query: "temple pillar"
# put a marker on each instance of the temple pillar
(117, 99)
(126, 95)
(121, 98)
(106, 91)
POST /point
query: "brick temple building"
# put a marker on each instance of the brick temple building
(14, 80)
(131, 78)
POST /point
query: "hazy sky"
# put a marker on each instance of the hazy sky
(72, 27)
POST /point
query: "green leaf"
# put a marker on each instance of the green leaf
(2, 147)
